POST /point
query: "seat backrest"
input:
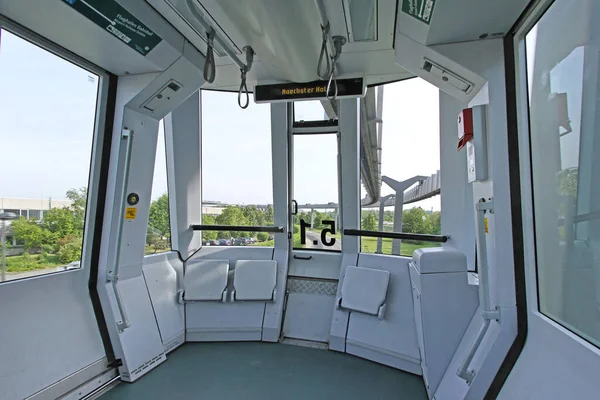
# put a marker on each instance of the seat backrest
(255, 279)
(205, 280)
(364, 289)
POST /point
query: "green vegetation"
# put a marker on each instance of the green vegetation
(369, 245)
(53, 241)
(29, 262)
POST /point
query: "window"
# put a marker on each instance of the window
(315, 184)
(35, 214)
(158, 234)
(410, 148)
(237, 179)
(50, 104)
(563, 88)
(310, 110)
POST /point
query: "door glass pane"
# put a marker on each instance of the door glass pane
(562, 63)
(237, 178)
(316, 191)
(47, 123)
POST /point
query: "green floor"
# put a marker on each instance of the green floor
(246, 370)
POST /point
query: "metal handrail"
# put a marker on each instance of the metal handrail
(238, 228)
(113, 276)
(397, 235)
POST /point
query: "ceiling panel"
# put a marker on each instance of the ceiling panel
(466, 20)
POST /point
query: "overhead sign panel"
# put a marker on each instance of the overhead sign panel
(420, 9)
(316, 90)
(111, 16)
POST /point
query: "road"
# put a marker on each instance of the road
(312, 236)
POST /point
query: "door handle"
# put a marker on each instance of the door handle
(297, 257)
(294, 207)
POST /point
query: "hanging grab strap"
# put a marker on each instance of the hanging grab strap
(324, 54)
(209, 65)
(244, 70)
(338, 42)
(243, 88)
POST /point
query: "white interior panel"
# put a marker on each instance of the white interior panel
(141, 343)
(205, 280)
(308, 316)
(92, 42)
(392, 340)
(161, 273)
(230, 321)
(255, 279)
(364, 289)
(35, 313)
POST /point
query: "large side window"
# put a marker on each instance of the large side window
(410, 147)
(563, 86)
(237, 179)
(47, 114)
(158, 234)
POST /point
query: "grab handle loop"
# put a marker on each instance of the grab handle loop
(338, 42)
(324, 54)
(332, 79)
(243, 88)
(244, 70)
(209, 65)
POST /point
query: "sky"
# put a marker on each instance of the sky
(236, 143)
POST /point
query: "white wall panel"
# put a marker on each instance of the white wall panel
(393, 340)
(230, 321)
(48, 331)
(161, 273)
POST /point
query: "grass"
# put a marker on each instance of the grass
(369, 245)
(29, 262)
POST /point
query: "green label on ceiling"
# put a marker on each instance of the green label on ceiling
(110, 15)
(420, 9)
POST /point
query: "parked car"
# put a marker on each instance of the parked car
(212, 243)
(241, 242)
(224, 242)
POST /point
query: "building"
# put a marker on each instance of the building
(28, 208)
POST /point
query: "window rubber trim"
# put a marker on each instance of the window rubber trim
(517, 221)
(99, 220)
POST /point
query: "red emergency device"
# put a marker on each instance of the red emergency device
(465, 127)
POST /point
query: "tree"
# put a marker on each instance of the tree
(388, 216)
(78, 199)
(436, 223)
(413, 220)
(269, 216)
(159, 216)
(70, 251)
(30, 233)
(209, 220)
(232, 215)
(262, 236)
(62, 222)
(369, 222)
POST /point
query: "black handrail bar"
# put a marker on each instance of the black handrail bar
(237, 228)
(397, 235)
(586, 217)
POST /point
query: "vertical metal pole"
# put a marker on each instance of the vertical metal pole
(3, 250)
(380, 226)
(398, 206)
(312, 218)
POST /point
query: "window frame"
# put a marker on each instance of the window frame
(541, 321)
(95, 180)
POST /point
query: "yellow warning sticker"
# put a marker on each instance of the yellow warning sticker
(131, 212)
(485, 223)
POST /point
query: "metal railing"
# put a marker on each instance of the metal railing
(238, 228)
(397, 235)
